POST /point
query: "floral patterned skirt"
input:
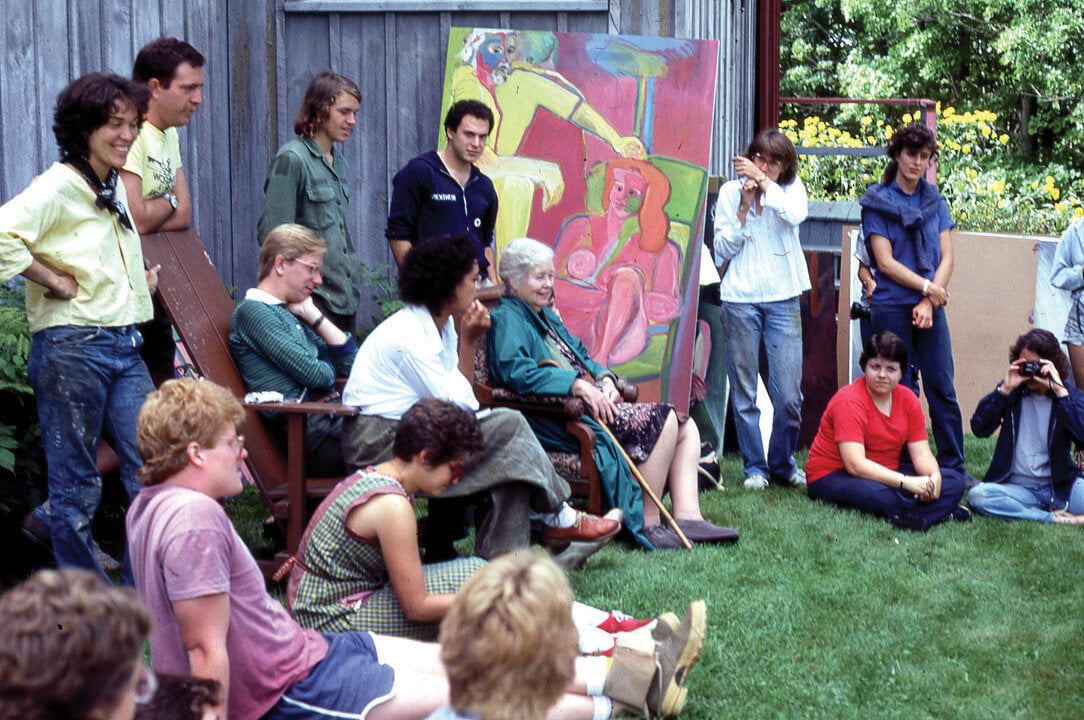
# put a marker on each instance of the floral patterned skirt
(638, 426)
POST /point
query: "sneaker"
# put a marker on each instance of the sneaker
(961, 514)
(35, 527)
(797, 478)
(674, 656)
(619, 622)
(755, 482)
(910, 522)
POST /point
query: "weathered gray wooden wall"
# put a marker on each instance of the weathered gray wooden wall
(260, 57)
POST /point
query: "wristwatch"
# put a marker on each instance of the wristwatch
(171, 199)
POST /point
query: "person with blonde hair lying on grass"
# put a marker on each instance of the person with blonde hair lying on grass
(508, 643)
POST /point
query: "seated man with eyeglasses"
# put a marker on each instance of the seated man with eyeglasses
(283, 343)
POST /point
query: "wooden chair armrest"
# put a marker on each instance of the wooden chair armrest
(305, 408)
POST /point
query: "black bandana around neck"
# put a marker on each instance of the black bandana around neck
(107, 191)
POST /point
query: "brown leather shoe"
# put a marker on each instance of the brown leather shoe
(586, 527)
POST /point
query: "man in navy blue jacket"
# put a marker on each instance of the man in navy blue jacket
(443, 193)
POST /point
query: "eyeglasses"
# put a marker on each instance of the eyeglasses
(146, 686)
(769, 161)
(478, 279)
(313, 268)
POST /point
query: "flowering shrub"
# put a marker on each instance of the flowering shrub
(987, 188)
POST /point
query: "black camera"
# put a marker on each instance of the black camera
(1029, 368)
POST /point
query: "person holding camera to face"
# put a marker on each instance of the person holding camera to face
(1032, 475)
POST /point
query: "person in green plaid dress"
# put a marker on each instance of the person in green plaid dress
(358, 566)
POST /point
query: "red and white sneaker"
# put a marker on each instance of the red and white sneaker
(617, 622)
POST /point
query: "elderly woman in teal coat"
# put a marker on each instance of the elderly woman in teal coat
(532, 352)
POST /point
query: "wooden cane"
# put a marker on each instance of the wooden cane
(647, 489)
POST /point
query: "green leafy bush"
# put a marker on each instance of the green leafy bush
(22, 462)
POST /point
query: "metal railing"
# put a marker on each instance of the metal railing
(927, 108)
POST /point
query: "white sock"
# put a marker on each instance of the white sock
(592, 670)
(565, 517)
(604, 708)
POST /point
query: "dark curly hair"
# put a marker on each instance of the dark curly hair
(69, 644)
(86, 104)
(433, 269)
(886, 345)
(462, 108)
(1044, 344)
(443, 429)
(180, 697)
(914, 136)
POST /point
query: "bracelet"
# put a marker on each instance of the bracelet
(925, 288)
(901, 481)
(318, 321)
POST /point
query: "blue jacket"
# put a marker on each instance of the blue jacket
(1066, 427)
(426, 201)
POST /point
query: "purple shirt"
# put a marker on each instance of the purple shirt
(183, 546)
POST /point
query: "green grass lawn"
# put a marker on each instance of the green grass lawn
(823, 613)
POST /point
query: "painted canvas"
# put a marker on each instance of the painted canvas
(600, 149)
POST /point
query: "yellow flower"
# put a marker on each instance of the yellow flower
(1003, 138)
(966, 148)
(1078, 211)
(906, 118)
(1002, 202)
(949, 111)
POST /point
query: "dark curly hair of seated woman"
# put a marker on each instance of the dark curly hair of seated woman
(434, 267)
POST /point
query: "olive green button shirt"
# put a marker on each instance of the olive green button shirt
(302, 187)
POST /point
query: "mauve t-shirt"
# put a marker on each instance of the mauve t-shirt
(183, 546)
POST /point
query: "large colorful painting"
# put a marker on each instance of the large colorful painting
(600, 149)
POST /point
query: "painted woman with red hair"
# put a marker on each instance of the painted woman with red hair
(621, 263)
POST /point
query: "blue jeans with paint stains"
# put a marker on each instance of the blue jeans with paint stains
(88, 381)
(777, 326)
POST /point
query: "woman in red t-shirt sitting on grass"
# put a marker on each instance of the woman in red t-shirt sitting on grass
(855, 459)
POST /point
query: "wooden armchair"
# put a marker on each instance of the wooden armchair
(578, 469)
(200, 309)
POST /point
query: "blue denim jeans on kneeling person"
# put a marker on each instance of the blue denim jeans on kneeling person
(930, 351)
(778, 327)
(87, 380)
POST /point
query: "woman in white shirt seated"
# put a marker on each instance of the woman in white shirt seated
(417, 353)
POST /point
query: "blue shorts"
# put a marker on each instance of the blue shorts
(348, 683)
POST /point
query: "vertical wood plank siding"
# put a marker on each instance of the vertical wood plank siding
(261, 55)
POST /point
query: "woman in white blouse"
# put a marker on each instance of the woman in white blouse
(764, 273)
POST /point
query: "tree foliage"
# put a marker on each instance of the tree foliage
(1021, 59)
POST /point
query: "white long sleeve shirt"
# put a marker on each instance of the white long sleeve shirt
(766, 259)
(407, 358)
